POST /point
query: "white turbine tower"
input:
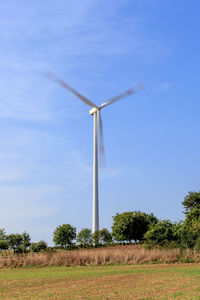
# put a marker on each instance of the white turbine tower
(95, 111)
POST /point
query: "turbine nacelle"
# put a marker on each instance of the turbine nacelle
(93, 110)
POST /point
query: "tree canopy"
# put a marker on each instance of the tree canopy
(15, 241)
(131, 226)
(191, 201)
(102, 237)
(84, 236)
(191, 228)
(163, 233)
(105, 236)
(64, 235)
(37, 247)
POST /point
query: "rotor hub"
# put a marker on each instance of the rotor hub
(93, 110)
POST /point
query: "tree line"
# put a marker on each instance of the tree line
(128, 227)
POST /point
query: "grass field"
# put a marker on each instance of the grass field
(102, 282)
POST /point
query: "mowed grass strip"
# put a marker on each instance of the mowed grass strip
(102, 282)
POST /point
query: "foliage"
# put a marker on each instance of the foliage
(191, 228)
(2, 234)
(177, 232)
(130, 226)
(191, 201)
(84, 237)
(105, 236)
(19, 242)
(3, 240)
(37, 247)
(26, 242)
(3, 245)
(102, 237)
(15, 242)
(197, 245)
(190, 236)
(96, 237)
(64, 235)
(164, 233)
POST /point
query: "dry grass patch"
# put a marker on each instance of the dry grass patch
(99, 256)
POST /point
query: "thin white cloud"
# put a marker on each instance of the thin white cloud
(36, 36)
(162, 87)
(10, 175)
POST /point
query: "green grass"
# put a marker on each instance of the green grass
(102, 282)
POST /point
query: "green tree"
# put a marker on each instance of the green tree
(177, 232)
(191, 228)
(15, 242)
(26, 242)
(191, 201)
(96, 238)
(191, 225)
(105, 236)
(37, 247)
(64, 235)
(84, 237)
(130, 226)
(101, 237)
(2, 234)
(163, 233)
(3, 245)
(3, 240)
(19, 242)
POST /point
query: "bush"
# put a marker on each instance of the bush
(3, 240)
(15, 242)
(197, 245)
(105, 236)
(3, 245)
(191, 228)
(37, 247)
(26, 242)
(191, 201)
(84, 237)
(131, 226)
(96, 238)
(20, 243)
(164, 233)
(102, 237)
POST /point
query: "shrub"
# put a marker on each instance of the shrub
(164, 233)
(3, 240)
(84, 237)
(3, 245)
(15, 242)
(105, 236)
(197, 245)
(191, 228)
(191, 201)
(96, 238)
(37, 247)
(131, 226)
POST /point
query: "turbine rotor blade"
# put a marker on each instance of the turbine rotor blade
(53, 77)
(101, 141)
(129, 92)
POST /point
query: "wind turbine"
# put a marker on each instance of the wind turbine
(98, 128)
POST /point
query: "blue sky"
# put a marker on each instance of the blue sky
(100, 48)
